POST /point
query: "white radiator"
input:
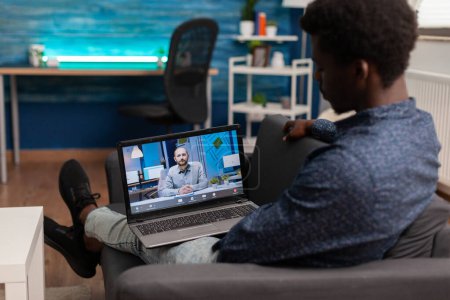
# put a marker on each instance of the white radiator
(432, 92)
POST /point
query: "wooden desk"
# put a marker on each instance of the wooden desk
(22, 252)
(28, 71)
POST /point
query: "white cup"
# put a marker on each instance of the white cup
(285, 102)
(35, 54)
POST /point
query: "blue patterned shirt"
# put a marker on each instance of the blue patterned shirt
(192, 175)
(352, 199)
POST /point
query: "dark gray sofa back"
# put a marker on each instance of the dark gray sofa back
(279, 160)
(399, 279)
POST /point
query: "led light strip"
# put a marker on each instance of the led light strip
(110, 59)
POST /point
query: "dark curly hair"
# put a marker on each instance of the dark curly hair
(382, 31)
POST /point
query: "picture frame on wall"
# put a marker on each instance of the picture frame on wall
(261, 56)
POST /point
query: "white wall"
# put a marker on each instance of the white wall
(431, 56)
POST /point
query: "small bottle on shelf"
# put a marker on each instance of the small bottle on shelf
(262, 23)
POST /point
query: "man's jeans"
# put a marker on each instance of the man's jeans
(111, 228)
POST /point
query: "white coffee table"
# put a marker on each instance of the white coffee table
(22, 252)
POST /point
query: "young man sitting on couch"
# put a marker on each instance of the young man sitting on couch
(351, 200)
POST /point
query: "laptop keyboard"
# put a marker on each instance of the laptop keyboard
(194, 220)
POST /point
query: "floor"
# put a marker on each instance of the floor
(35, 183)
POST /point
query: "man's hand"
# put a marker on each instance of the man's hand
(296, 129)
(185, 189)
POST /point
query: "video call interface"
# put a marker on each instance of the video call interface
(182, 171)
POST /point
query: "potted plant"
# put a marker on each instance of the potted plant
(225, 179)
(214, 181)
(253, 44)
(247, 25)
(271, 28)
(259, 99)
(160, 63)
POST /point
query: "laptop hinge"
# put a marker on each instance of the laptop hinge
(241, 200)
(137, 221)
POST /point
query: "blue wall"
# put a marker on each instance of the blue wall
(81, 112)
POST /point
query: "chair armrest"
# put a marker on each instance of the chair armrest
(388, 279)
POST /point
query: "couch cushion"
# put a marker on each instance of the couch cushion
(417, 240)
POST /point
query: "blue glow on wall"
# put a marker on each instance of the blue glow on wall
(140, 27)
(107, 46)
(115, 27)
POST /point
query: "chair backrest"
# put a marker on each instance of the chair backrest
(275, 163)
(186, 72)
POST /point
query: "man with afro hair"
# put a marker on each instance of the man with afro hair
(350, 201)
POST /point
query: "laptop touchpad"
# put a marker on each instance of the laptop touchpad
(198, 230)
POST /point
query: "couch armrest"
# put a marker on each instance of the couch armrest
(388, 279)
(441, 245)
(114, 262)
(113, 178)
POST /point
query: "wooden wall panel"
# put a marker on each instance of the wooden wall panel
(117, 27)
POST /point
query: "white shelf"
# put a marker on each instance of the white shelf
(281, 71)
(255, 113)
(295, 3)
(265, 38)
(270, 109)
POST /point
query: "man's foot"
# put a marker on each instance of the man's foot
(75, 189)
(69, 242)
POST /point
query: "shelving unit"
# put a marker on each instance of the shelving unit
(254, 112)
(265, 38)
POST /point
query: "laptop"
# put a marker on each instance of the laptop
(170, 200)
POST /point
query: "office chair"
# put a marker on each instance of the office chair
(185, 77)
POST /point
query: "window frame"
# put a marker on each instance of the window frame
(435, 33)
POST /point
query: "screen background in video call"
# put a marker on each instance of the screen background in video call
(208, 149)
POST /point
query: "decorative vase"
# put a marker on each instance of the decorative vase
(246, 27)
(277, 59)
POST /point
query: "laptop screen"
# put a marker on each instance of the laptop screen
(182, 170)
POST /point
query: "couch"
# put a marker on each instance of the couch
(418, 267)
